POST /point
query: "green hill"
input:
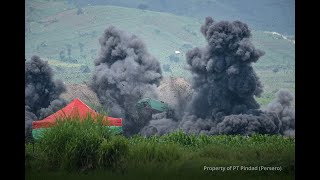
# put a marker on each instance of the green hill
(58, 33)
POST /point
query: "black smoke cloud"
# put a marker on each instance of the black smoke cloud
(283, 110)
(225, 85)
(41, 91)
(278, 118)
(54, 106)
(160, 125)
(223, 77)
(125, 73)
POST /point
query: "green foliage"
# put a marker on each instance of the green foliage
(181, 138)
(112, 152)
(154, 153)
(71, 147)
(73, 144)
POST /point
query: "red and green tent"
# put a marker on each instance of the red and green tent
(76, 108)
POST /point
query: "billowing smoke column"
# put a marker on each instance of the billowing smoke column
(125, 73)
(41, 91)
(224, 85)
(224, 80)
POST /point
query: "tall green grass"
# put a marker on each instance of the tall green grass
(88, 147)
(74, 144)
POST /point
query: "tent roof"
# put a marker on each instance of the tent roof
(74, 108)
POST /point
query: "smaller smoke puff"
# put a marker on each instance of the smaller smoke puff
(284, 111)
(54, 106)
(159, 125)
(247, 124)
(194, 125)
(278, 118)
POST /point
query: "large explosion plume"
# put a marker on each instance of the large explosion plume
(125, 73)
(41, 91)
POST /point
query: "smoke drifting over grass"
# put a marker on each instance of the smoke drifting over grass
(125, 73)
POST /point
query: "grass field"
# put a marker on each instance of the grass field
(74, 150)
(55, 27)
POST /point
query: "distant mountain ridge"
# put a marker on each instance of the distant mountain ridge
(269, 15)
(56, 32)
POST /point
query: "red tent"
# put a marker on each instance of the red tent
(75, 108)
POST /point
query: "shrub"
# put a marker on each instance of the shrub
(113, 152)
(73, 144)
(181, 138)
(154, 153)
